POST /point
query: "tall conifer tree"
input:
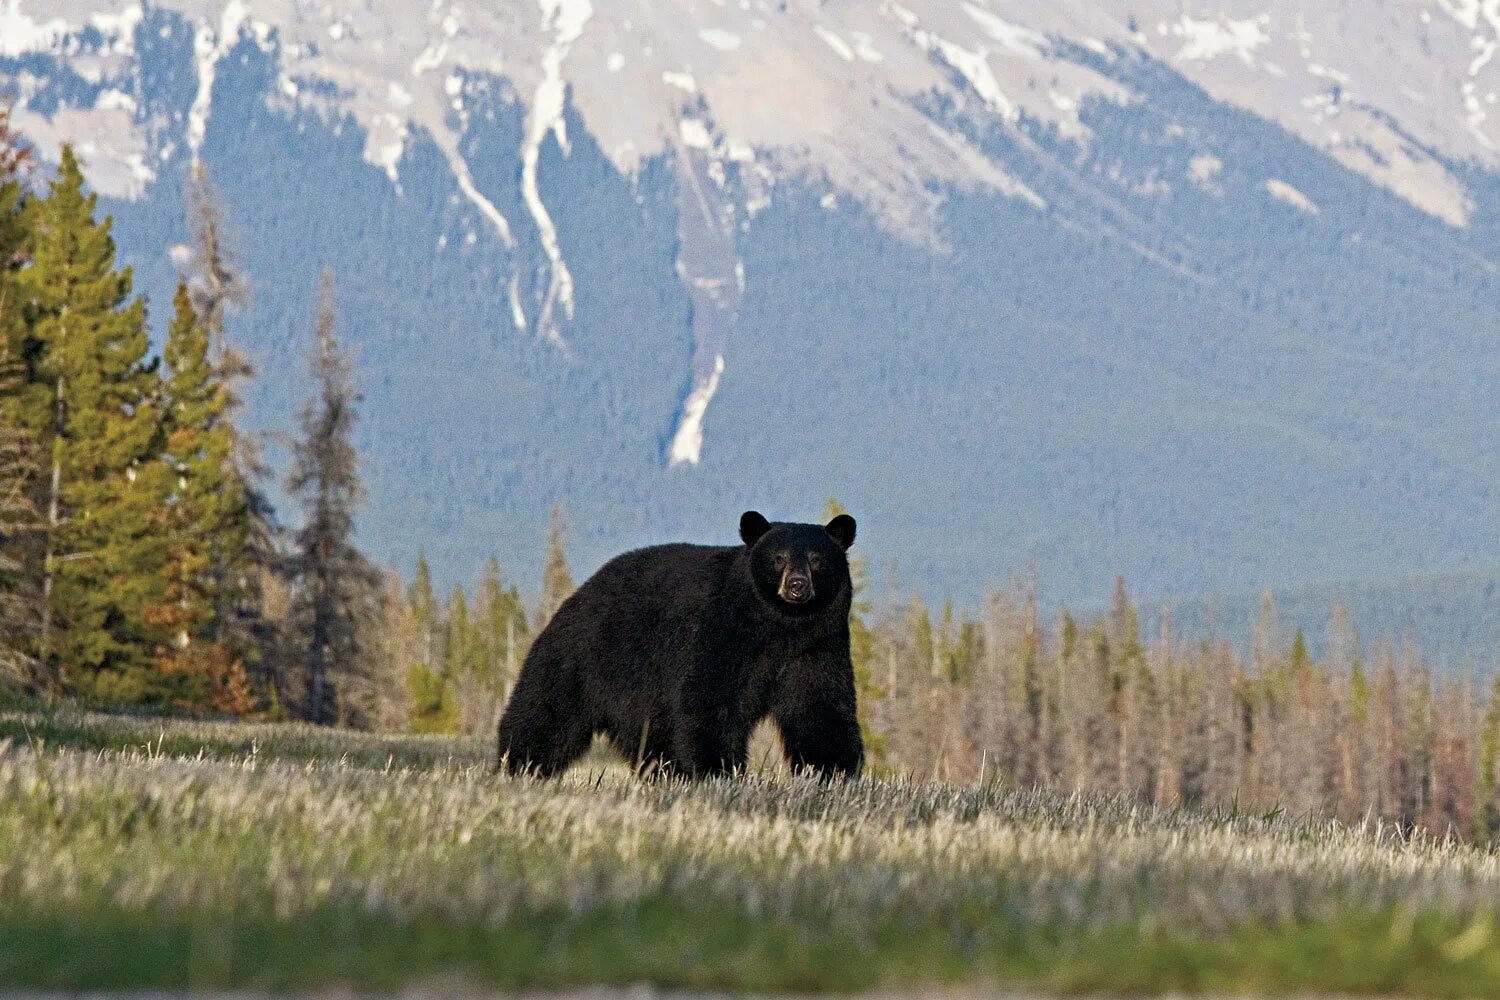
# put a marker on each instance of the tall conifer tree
(425, 614)
(19, 457)
(20, 598)
(217, 288)
(337, 589)
(90, 403)
(15, 164)
(432, 708)
(205, 519)
(557, 578)
(502, 622)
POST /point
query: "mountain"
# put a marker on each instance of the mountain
(1201, 294)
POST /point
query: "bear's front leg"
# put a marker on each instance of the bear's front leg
(705, 750)
(816, 714)
(823, 738)
(709, 740)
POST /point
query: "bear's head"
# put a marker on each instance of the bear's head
(798, 568)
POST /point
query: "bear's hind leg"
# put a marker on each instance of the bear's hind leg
(541, 732)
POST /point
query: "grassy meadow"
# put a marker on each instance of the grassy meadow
(138, 852)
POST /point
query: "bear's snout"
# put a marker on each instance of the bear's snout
(796, 585)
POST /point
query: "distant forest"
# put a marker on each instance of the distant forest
(141, 564)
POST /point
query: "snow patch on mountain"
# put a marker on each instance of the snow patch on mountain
(21, 32)
(210, 46)
(566, 20)
(838, 45)
(1012, 37)
(1204, 170)
(1221, 36)
(687, 443)
(724, 41)
(1282, 191)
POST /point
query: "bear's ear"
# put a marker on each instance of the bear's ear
(842, 530)
(752, 526)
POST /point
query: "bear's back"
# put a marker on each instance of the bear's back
(679, 573)
(637, 612)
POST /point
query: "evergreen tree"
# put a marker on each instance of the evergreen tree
(1068, 634)
(15, 165)
(502, 625)
(238, 564)
(19, 457)
(432, 708)
(206, 522)
(557, 578)
(1301, 661)
(217, 286)
(90, 403)
(336, 588)
(1125, 626)
(425, 615)
(20, 599)
(464, 665)
(920, 638)
(461, 651)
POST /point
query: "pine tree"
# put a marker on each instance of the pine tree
(20, 598)
(502, 624)
(425, 615)
(205, 520)
(336, 588)
(1125, 626)
(945, 658)
(238, 564)
(431, 701)
(461, 651)
(19, 455)
(15, 164)
(89, 402)
(475, 695)
(1301, 660)
(557, 578)
(920, 638)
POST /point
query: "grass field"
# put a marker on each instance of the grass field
(137, 852)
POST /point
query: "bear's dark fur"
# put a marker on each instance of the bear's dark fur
(676, 652)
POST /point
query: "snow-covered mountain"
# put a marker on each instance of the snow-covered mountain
(1201, 293)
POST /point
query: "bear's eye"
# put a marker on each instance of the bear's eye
(815, 561)
(780, 560)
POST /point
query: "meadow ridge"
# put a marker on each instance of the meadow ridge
(149, 853)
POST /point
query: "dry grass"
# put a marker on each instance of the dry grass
(141, 852)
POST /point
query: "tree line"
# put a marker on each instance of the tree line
(1365, 731)
(141, 561)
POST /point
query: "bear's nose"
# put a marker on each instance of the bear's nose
(798, 589)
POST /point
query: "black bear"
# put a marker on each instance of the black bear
(676, 652)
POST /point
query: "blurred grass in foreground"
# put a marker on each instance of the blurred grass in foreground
(141, 852)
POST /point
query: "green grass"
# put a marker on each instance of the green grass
(139, 853)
